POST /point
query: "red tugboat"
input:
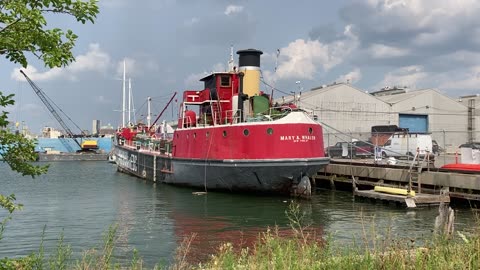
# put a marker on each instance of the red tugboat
(230, 138)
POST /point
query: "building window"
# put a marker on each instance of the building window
(225, 81)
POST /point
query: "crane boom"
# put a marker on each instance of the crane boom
(45, 101)
(161, 113)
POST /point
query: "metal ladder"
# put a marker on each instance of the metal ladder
(414, 172)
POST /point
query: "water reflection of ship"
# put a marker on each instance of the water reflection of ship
(212, 221)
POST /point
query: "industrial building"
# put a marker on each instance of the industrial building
(346, 112)
(349, 113)
(429, 111)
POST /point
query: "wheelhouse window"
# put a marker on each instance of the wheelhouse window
(225, 81)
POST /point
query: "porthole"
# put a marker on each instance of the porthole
(177, 135)
(246, 132)
(310, 130)
(187, 136)
(194, 135)
(269, 131)
(207, 134)
(224, 133)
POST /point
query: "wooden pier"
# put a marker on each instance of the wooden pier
(361, 177)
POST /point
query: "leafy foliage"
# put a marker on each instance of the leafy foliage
(23, 28)
(16, 150)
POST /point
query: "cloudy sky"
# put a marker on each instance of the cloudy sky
(169, 44)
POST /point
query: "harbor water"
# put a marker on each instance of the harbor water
(82, 199)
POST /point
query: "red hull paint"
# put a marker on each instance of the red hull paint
(287, 141)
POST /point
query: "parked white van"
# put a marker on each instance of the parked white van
(406, 144)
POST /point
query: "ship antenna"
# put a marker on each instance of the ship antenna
(274, 72)
(231, 63)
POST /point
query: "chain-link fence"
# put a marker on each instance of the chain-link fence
(445, 143)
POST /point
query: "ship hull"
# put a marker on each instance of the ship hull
(275, 176)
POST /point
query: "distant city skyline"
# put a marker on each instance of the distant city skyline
(169, 44)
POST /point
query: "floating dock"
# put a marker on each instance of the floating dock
(73, 157)
(421, 199)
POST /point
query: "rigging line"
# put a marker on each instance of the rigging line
(166, 96)
(206, 158)
(267, 84)
(133, 106)
(65, 114)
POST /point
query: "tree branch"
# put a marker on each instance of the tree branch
(9, 25)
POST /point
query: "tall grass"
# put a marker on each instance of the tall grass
(302, 249)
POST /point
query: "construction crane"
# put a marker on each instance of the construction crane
(44, 98)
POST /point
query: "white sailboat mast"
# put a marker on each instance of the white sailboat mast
(149, 113)
(123, 95)
(129, 101)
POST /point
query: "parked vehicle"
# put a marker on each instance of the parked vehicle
(407, 144)
(350, 149)
(340, 149)
(363, 149)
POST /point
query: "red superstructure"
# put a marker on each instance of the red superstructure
(230, 137)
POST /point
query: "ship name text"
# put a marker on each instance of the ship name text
(298, 138)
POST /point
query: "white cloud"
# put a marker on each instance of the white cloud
(422, 22)
(192, 80)
(130, 67)
(302, 59)
(191, 21)
(408, 76)
(351, 77)
(136, 67)
(465, 80)
(94, 60)
(381, 51)
(232, 9)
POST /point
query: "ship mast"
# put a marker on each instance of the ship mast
(123, 96)
(274, 73)
(149, 112)
(231, 62)
(129, 101)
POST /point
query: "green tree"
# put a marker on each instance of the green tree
(24, 31)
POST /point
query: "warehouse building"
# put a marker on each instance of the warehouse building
(429, 111)
(347, 112)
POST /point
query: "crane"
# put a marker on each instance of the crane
(44, 98)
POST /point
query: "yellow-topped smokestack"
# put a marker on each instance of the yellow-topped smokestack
(249, 64)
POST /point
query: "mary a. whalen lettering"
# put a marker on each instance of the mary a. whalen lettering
(298, 138)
